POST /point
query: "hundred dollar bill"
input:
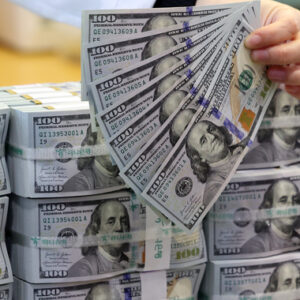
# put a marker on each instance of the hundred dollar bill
(5, 267)
(5, 187)
(94, 237)
(271, 278)
(52, 151)
(214, 143)
(100, 26)
(257, 215)
(110, 89)
(121, 113)
(6, 292)
(172, 284)
(105, 25)
(154, 21)
(142, 167)
(103, 59)
(160, 116)
(277, 141)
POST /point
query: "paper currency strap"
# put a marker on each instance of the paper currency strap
(289, 294)
(280, 122)
(51, 242)
(56, 153)
(245, 213)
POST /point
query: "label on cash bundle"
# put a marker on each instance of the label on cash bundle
(212, 146)
(111, 89)
(109, 248)
(141, 168)
(179, 284)
(256, 215)
(277, 140)
(69, 175)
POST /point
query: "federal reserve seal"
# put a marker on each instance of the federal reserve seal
(70, 235)
(242, 217)
(61, 149)
(184, 186)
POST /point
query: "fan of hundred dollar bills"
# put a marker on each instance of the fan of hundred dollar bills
(177, 98)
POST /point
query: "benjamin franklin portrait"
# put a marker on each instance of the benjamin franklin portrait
(110, 216)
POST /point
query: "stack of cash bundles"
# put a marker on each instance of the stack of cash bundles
(6, 276)
(76, 230)
(253, 230)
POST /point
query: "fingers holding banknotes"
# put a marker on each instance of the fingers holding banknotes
(277, 44)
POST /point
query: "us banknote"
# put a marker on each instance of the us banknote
(102, 25)
(212, 146)
(117, 115)
(142, 167)
(121, 113)
(172, 284)
(52, 151)
(115, 55)
(5, 187)
(277, 141)
(6, 292)
(144, 155)
(257, 215)
(110, 89)
(95, 237)
(103, 59)
(276, 277)
(5, 266)
(252, 8)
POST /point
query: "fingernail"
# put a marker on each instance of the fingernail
(260, 55)
(277, 75)
(253, 40)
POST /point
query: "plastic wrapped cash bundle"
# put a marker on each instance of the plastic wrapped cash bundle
(95, 237)
(271, 278)
(54, 153)
(4, 177)
(6, 276)
(258, 215)
(278, 139)
(172, 284)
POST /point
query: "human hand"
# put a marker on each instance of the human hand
(277, 44)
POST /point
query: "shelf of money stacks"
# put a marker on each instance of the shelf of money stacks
(112, 178)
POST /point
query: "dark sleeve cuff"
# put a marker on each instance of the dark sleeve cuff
(174, 3)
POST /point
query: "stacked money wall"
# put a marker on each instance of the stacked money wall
(253, 229)
(110, 192)
(73, 224)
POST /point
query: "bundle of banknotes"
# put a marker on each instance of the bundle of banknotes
(54, 153)
(256, 216)
(273, 278)
(6, 276)
(177, 99)
(172, 284)
(5, 187)
(95, 237)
